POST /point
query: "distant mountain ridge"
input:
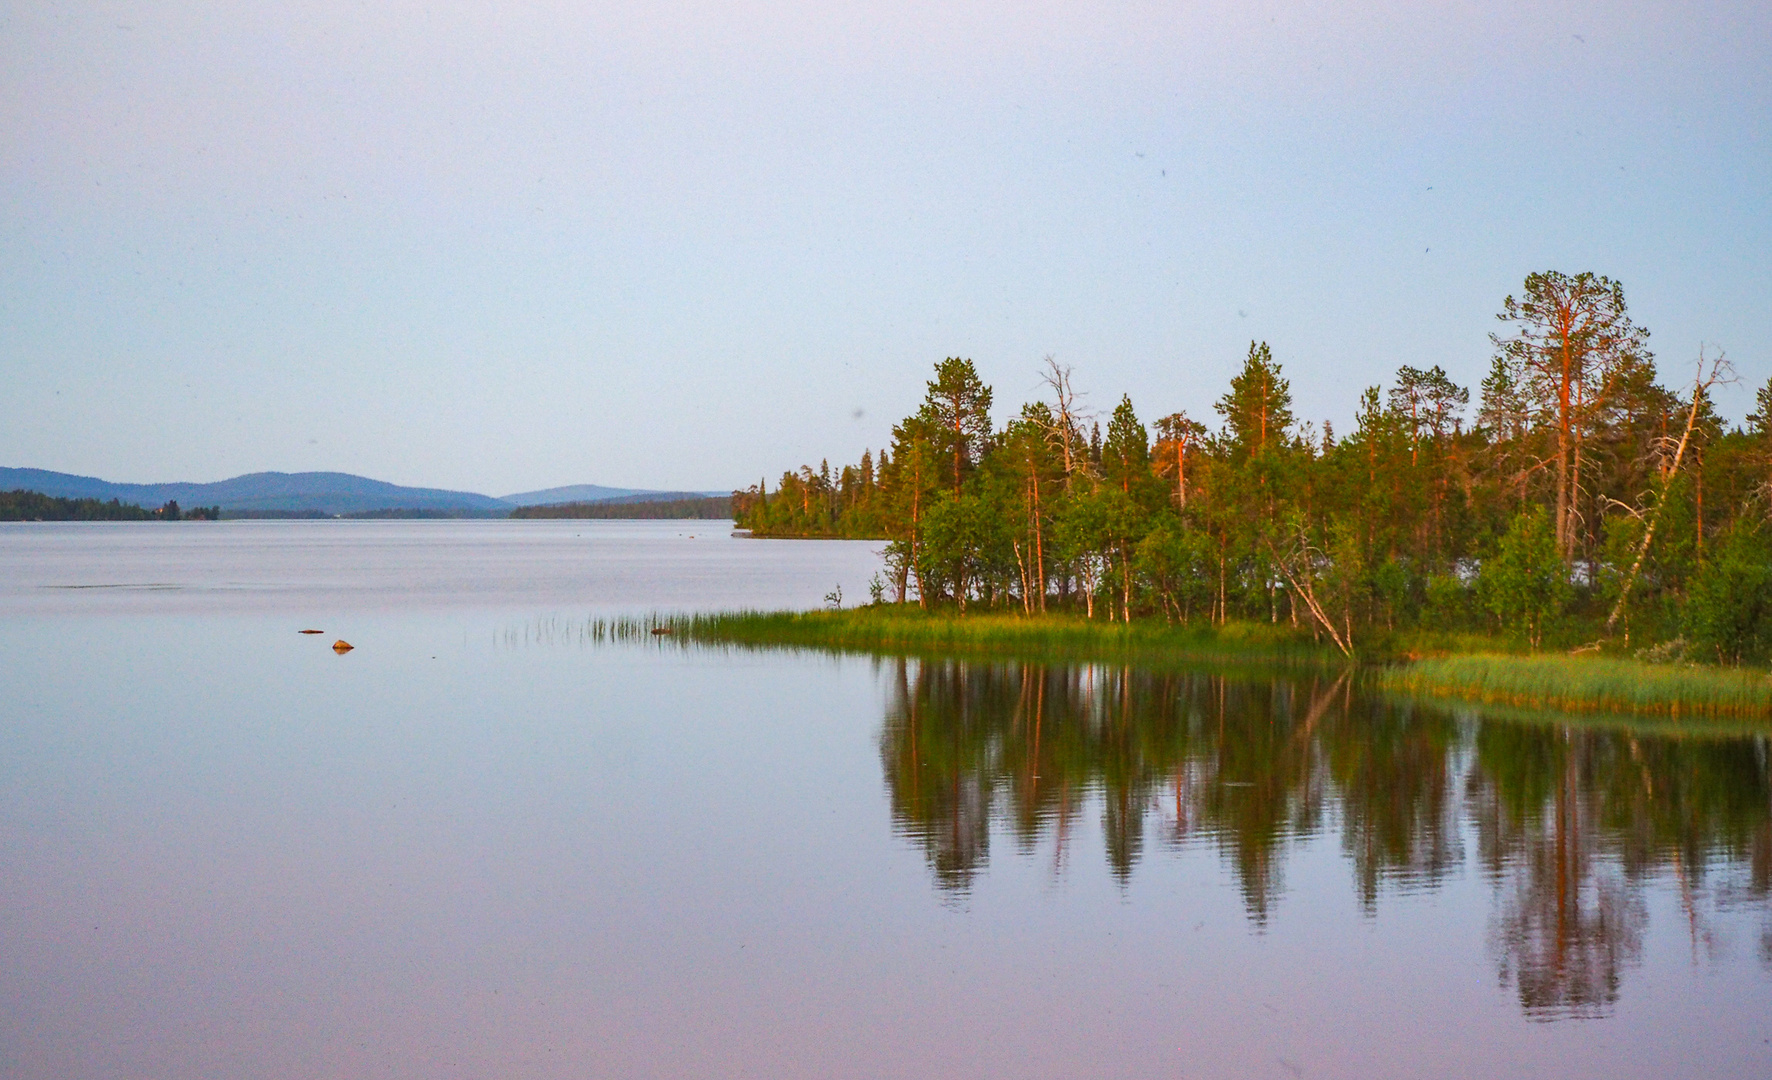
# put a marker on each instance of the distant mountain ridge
(572, 493)
(324, 492)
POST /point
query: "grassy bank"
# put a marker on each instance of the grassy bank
(1587, 684)
(909, 630)
(1476, 669)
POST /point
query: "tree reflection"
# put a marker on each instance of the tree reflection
(1573, 823)
(1567, 920)
(1569, 825)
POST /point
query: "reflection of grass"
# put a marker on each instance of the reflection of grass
(1664, 725)
(1054, 637)
(1536, 684)
(1587, 684)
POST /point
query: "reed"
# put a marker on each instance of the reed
(1047, 637)
(1588, 684)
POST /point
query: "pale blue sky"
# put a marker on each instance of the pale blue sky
(503, 247)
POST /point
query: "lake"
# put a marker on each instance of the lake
(483, 844)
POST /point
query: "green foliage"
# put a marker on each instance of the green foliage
(1729, 612)
(1083, 535)
(32, 506)
(24, 505)
(1398, 588)
(1759, 422)
(1258, 409)
(1126, 455)
(711, 507)
(1448, 601)
(1179, 564)
(1525, 583)
(963, 550)
(1430, 400)
(1347, 585)
(956, 418)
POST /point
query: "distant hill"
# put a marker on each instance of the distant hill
(596, 493)
(634, 508)
(323, 493)
(326, 492)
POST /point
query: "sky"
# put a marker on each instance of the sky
(500, 247)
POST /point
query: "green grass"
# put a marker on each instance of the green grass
(909, 630)
(1475, 671)
(1587, 684)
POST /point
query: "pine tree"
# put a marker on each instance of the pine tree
(1258, 410)
(957, 415)
(1126, 455)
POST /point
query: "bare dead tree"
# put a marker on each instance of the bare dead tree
(1711, 372)
(1068, 413)
(1296, 564)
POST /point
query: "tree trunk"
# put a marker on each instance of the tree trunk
(1223, 615)
(1125, 585)
(1698, 484)
(1630, 579)
(1181, 471)
(1039, 546)
(916, 541)
(1026, 574)
(1305, 592)
(1563, 426)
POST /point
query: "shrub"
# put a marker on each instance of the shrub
(1729, 604)
(1526, 583)
(1448, 600)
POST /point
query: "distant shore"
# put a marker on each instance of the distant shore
(26, 505)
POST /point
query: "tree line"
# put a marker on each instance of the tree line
(712, 506)
(22, 505)
(1580, 497)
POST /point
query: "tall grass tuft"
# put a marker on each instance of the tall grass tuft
(1588, 684)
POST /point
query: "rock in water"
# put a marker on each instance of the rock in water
(341, 646)
(310, 631)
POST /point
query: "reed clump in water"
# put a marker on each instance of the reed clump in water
(914, 631)
(1588, 684)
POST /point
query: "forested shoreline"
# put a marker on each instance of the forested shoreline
(1580, 501)
(24, 505)
(712, 507)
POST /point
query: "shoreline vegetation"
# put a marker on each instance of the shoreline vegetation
(1480, 672)
(1587, 684)
(1574, 505)
(894, 630)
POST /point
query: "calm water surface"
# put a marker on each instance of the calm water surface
(480, 845)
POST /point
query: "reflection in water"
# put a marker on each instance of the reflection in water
(1569, 825)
